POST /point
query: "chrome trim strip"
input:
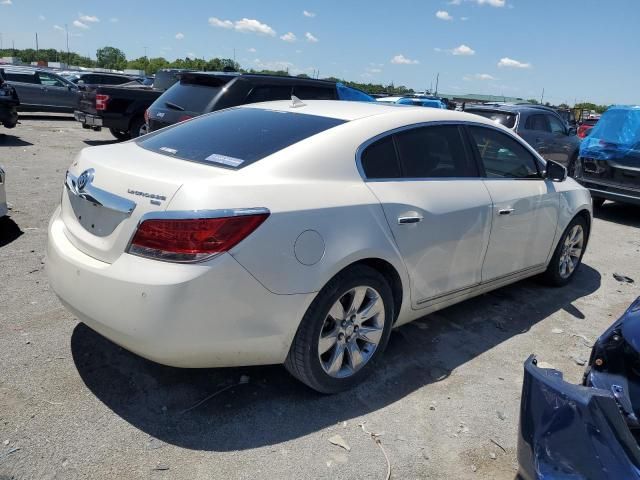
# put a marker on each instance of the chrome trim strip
(96, 195)
(503, 130)
(509, 276)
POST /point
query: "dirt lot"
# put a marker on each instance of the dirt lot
(74, 405)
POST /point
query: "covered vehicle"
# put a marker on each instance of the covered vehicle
(8, 103)
(609, 163)
(587, 431)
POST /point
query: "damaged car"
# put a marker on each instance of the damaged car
(589, 431)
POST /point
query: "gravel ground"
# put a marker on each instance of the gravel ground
(74, 405)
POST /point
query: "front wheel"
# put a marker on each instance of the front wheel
(344, 331)
(568, 254)
(119, 134)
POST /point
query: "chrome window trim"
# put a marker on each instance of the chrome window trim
(465, 123)
(97, 196)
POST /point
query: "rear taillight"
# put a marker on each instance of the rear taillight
(101, 101)
(146, 116)
(184, 117)
(192, 240)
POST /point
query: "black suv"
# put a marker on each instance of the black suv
(542, 127)
(197, 93)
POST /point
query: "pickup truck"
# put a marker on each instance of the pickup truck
(121, 108)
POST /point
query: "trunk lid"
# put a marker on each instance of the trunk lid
(109, 189)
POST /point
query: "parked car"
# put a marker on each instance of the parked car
(585, 127)
(4, 209)
(99, 78)
(203, 92)
(540, 126)
(609, 163)
(8, 103)
(432, 102)
(122, 109)
(587, 431)
(42, 90)
(301, 233)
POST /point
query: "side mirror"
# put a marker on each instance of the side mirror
(555, 172)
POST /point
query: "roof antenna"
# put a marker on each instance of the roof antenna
(296, 102)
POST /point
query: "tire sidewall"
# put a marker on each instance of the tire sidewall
(325, 300)
(554, 265)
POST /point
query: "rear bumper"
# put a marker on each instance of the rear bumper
(571, 431)
(612, 192)
(87, 119)
(213, 314)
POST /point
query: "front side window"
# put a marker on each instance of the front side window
(434, 152)
(556, 125)
(236, 137)
(502, 156)
(538, 123)
(50, 80)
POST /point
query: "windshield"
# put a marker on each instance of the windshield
(192, 94)
(503, 118)
(236, 137)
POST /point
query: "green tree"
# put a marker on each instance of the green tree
(533, 101)
(111, 57)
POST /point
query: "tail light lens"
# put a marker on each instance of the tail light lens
(184, 117)
(192, 240)
(101, 101)
(146, 116)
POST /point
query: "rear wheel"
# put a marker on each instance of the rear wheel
(344, 331)
(568, 254)
(138, 127)
(119, 134)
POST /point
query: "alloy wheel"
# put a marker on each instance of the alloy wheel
(351, 332)
(571, 251)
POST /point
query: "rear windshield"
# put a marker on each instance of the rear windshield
(503, 118)
(191, 94)
(236, 137)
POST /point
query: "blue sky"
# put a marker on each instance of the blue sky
(574, 49)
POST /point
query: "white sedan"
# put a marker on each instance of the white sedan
(3, 195)
(301, 233)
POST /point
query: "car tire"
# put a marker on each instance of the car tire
(598, 202)
(138, 127)
(567, 258)
(571, 166)
(120, 134)
(332, 318)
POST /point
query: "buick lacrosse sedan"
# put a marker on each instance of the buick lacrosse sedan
(301, 233)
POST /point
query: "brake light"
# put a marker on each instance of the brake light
(192, 240)
(185, 117)
(146, 116)
(582, 130)
(101, 101)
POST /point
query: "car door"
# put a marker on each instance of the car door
(56, 92)
(26, 85)
(537, 133)
(525, 205)
(436, 205)
(563, 144)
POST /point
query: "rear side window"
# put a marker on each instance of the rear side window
(236, 137)
(192, 94)
(434, 152)
(379, 160)
(50, 80)
(20, 77)
(502, 156)
(267, 93)
(538, 123)
(309, 92)
(503, 118)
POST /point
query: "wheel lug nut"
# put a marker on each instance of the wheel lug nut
(341, 336)
(344, 324)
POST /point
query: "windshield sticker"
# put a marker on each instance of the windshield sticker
(224, 160)
(172, 151)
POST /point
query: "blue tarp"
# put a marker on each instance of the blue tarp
(615, 136)
(423, 102)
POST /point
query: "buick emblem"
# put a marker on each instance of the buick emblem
(85, 178)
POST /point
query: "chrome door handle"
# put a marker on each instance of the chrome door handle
(505, 211)
(409, 220)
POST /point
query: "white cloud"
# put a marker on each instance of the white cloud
(191, 55)
(89, 18)
(113, 20)
(41, 17)
(216, 22)
(437, 49)
(463, 50)
(479, 76)
(179, 36)
(288, 37)
(507, 62)
(493, 3)
(374, 70)
(464, 19)
(58, 27)
(252, 50)
(311, 38)
(443, 15)
(6, 2)
(308, 14)
(454, 2)
(79, 24)
(402, 60)
(249, 25)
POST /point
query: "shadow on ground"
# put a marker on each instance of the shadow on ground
(9, 231)
(621, 213)
(273, 407)
(12, 141)
(43, 116)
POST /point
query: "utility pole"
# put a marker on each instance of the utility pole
(37, 49)
(67, 30)
(437, 81)
(542, 96)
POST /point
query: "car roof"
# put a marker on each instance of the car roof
(261, 76)
(512, 108)
(349, 111)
